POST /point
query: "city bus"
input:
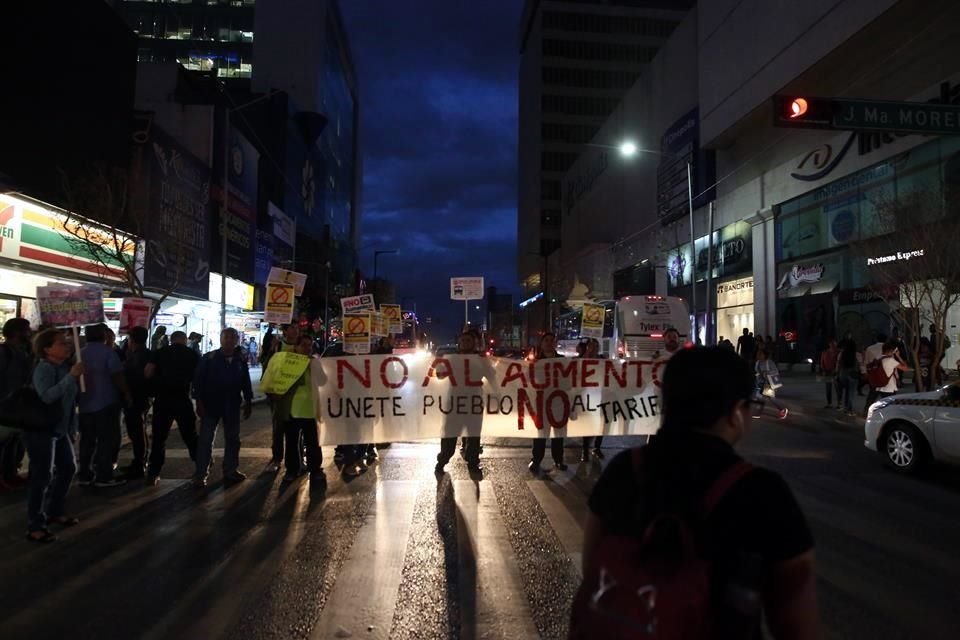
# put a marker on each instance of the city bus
(642, 320)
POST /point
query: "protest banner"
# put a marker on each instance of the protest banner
(284, 369)
(391, 313)
(278, 304)
(591, 325)
(357, 304)
(356, 333)
(388, 398)
(135, 312)
(62, 306)
(283, 276)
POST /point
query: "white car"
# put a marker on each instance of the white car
(911, 429)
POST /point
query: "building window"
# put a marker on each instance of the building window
(589, 78)
(550, 189)
(556, 160)
(593, 106)
(550, 217)
(602, 51)
(596, 23)
(572, 133)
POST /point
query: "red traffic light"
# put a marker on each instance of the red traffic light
(798, 107)
(805, 112)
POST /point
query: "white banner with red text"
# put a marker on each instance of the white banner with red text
(388, 398)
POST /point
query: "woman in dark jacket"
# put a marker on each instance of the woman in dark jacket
(547, 348)
(55, 381)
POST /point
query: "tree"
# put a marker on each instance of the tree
(909, 250)
(103, 227)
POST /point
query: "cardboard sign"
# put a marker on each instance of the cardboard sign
(356, 333)
(591, 325)
(390, 398)
(278, 305)
(391, 313)
(135, 312)
(357, 304)
(62, 306)
(466, 288)
(282, 276)
(284, 369)
(378, 325)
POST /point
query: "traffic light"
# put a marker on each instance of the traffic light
(803, 112)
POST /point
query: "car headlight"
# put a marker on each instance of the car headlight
(877, 406)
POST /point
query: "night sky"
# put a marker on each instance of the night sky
(438, 99)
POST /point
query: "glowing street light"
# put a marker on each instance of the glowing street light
(628, 149)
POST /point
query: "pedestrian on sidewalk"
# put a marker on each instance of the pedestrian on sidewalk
(296, 410)
(291, 336)
(222, 381)
(848, 375)
(172, 370)
(828, 370)
(891, 364)
(52, 461)
(747, 346)
(871, 355)
(768, 381)
(106, 392)
(742, 520)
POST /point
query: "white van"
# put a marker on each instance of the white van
(642, 320)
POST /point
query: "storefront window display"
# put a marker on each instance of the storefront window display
(734, 308)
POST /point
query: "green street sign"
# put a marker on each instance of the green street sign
(907, 117)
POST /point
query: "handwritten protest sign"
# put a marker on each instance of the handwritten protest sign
(284, 369)
(62, 306)
(386, 398)
(592, 324)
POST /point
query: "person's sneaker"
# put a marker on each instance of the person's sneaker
(353, 470)
(198, 482)
(534, 467)
(273, 466)
(584, 455)
(783, 414)
(290, 476)
(85, 482)
(560, 466)
(372, 453)
(153, 481)
(475, 468)
(112, 482)
(598, 454)
(438, 470)
(234, 476)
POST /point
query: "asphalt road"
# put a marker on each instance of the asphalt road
(398, 554)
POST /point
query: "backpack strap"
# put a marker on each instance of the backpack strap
(723, 484)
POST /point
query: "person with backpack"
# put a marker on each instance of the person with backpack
(687, 539)
(883, 378)
(871, 355)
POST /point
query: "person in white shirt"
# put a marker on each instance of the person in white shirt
(871, 353)
(891, 363)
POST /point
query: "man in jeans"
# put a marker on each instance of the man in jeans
(172, 369)
(221, 380)
(99, 408)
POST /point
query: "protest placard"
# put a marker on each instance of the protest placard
(278, 304)
(378, 325)
(391, 313)
(63, 306)
(283, 276)
(135, 312)
(591, 325)
(356, 333)
(284, 369)
(357, 304)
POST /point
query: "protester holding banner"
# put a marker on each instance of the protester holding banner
(466, 345)
(291, 336)
(172, 370)
(590, 348)
(99, 407)
(52, 462)
(546, 350)
(221, 381)
(295, 408)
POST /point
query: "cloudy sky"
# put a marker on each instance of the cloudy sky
(438, 96)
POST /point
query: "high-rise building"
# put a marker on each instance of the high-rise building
(577, 60)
